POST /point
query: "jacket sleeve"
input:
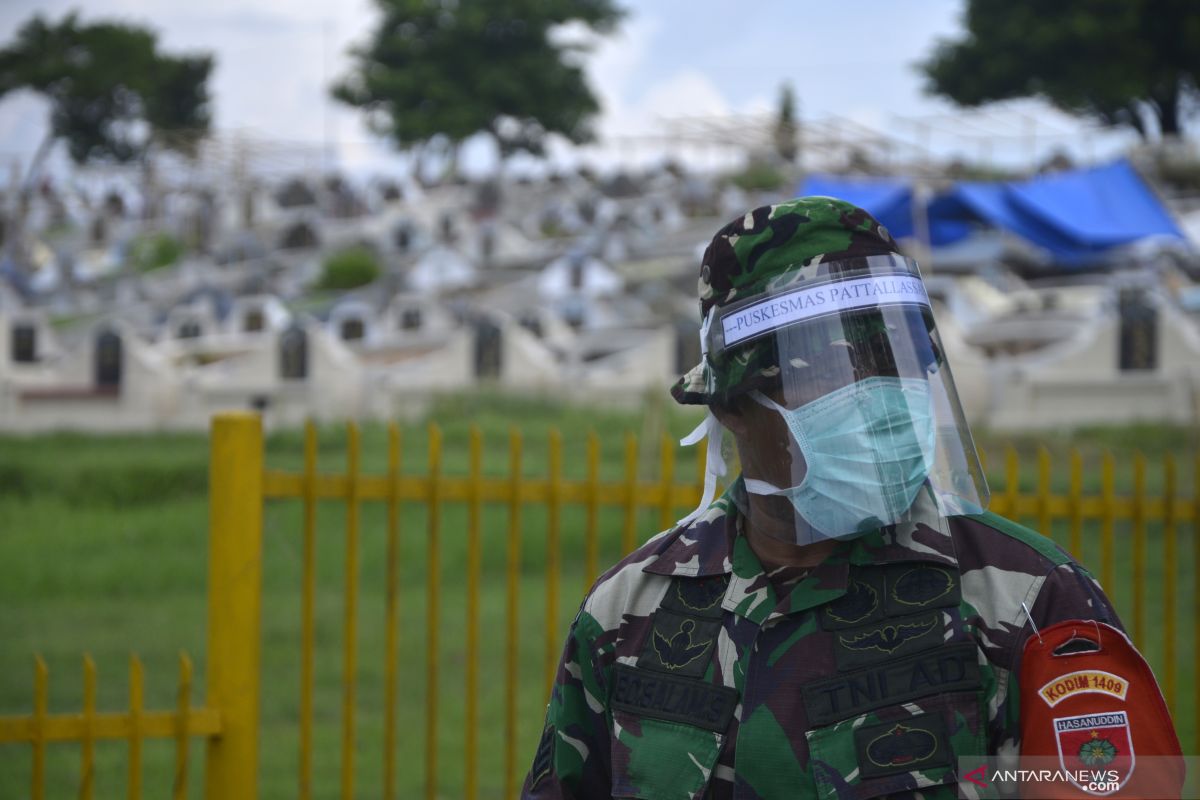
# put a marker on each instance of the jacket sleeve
(573, 756)
(1069, 591)
(1106, 680)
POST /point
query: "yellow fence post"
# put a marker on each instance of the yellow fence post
(474, 568)
(1170, 561)
(235, 484)
(553, 558)
(137, 702)
(41, 692)
(1012, 482)
(1075, 507)
(1139, 549)
(1108, 517)
(391, 614)
(1045, 522)
(512, 587)
(433, 593)
(86, 780)
(183, 707)
(308, 592)
(350, 617)
(631, 508)
(667, 476)
(592, 529)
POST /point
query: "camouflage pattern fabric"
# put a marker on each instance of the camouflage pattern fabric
(687, 674)
(755, 252)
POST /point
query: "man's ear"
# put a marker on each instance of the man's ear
(730, 415)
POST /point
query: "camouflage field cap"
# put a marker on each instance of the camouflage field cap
(754, 251)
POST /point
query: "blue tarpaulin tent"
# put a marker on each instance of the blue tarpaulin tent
(888, 199)
(1076, 217)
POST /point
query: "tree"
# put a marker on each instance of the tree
(154, 251)
(112, 92)
(785, 126)
(441, 71)
(1124, 62)
(349, 269)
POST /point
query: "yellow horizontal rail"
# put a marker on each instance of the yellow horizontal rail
(112, 725)
(1097, 508)
(279, 484)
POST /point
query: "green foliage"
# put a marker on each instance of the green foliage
(349, 269)
(1119, 61)
(758, 176)
(155, 251)
(445, 71)
(105, 82)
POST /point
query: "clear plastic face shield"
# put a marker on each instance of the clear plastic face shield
(862, 423)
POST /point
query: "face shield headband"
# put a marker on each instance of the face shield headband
(809, 293)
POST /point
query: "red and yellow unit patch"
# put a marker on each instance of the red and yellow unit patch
(1081, 682)
(1090, 701)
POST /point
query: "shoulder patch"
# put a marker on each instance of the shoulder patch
(1043, 545)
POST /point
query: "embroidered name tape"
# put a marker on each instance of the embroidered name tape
(1090, 721)
(816, 301)
(695, 702)
(947, 669)
(1083, 682)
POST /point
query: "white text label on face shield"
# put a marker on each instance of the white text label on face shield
(817, 301)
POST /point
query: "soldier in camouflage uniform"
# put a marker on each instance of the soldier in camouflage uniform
(720, 661)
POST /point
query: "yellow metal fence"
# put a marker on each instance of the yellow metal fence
(240, 483)
(90, 726)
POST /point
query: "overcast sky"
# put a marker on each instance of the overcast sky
(275, 58)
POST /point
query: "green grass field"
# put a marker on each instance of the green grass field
(103, 550)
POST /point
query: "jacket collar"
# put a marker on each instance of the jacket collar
(713, 544)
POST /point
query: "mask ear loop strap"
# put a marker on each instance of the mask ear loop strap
(714, 465)
(709, 428)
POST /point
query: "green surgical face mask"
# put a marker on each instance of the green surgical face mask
(868, 448)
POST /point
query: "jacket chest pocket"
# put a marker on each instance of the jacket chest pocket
(655, 758)
(913, 745)
(666, 733)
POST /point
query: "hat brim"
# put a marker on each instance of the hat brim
(759, 370)
(691, 388)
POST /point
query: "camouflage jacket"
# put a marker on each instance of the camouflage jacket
(685, 675)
